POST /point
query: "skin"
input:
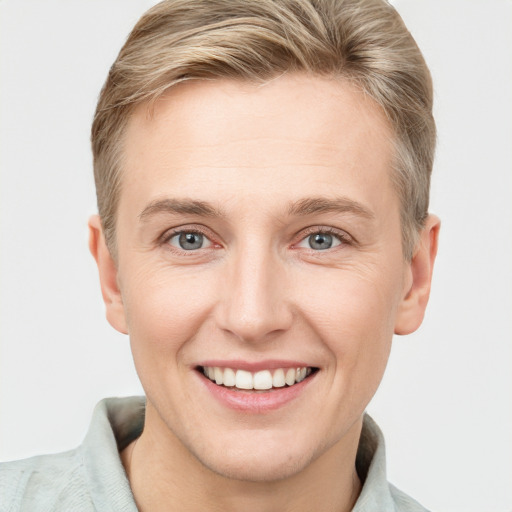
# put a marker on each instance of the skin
(257, 290)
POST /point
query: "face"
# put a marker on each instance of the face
(259, 245)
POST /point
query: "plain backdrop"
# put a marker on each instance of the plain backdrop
(445, 404)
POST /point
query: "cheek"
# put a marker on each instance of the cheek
(353, 313)
(165, 309)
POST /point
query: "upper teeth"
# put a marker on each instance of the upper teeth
(264, 379)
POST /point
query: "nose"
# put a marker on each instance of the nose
(255, 305)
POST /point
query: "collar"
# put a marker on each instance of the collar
(117, 422)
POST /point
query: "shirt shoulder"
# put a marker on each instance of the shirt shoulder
(43, 483)
(88, 478)
(377, 494)
(403, 502)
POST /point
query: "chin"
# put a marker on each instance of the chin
(255, 458)
(256, 468)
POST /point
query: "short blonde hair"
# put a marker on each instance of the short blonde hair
(364, 41)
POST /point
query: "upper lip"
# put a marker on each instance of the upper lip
(254, 366)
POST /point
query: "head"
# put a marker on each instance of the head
(262, 171)
(361, 41)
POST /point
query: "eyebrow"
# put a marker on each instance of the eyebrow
(314, 205)
(302, 207)
(179, 206)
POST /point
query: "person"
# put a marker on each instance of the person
(262, 173)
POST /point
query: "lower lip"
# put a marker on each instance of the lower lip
(256, 401)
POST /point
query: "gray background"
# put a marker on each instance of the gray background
(446, 401)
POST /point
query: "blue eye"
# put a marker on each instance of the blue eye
(320, 241)
(189, 241)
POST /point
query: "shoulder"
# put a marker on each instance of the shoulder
(377, 494)
(89, 478)
(403, 502)
(47, 482)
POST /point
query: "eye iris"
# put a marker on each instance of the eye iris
(320, 241)
(190, 241)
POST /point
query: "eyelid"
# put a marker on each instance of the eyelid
(344, 237)
(167, 235)
(341, 235)
(206, 242)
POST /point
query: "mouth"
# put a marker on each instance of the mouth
(262, 380)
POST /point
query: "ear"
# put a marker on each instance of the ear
(108, 276)
(411, 309)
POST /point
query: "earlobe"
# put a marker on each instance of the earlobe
(411, 309)
(108, 274)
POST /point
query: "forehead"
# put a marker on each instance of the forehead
(287, 135)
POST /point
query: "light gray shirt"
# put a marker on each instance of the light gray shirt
(92, 478)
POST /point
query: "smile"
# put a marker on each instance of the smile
(260, 380)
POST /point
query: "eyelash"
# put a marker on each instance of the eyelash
(167, 236)
(343, 237)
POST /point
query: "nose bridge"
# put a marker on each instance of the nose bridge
(255, 302)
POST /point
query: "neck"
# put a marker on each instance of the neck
(164, 474)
